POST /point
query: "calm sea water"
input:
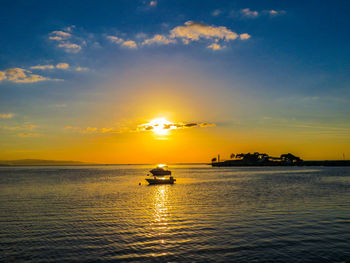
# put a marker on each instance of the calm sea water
(100, 213)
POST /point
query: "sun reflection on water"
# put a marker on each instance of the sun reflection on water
(160, 207)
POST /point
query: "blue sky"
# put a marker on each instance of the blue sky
(263, 66)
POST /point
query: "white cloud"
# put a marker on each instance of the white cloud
(70, 47)
(129, 44)
(249, 13)
(192, 31)
(189, 32)
(115, 39)
(66, 40)
(61, 34)
(158, 39)
(6, 115)
(62, 66)
(19, 75)
(125, 43)
(43, 67)
(153, 3)
(216, 12)
(244, 36)
(215, 46)
(275, 12)
(57, 38)
(59, 66)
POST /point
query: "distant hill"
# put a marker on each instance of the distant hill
(40, 162)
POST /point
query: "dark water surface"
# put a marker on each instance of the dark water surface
(91, 214)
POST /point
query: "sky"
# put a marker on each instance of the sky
(173, 81)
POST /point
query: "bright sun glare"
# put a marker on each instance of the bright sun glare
(159, 126)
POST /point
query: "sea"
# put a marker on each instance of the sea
(224, 214)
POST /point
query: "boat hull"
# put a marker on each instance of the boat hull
(160, 181)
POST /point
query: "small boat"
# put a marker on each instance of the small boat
(160, 170)
(161, 175)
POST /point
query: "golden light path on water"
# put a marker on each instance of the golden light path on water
(161, 213)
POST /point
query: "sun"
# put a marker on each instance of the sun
(160, 126)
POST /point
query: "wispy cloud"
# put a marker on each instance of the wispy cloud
(216, 12)
(244, 36)
(62, 65)
(246, 12)
(20, 75)
(66, 40)
(91, 130)
(59, 35)
(6, 115)
(24, 127)
(215, 46)
(58, 66)
(153, 3)
(193, 31)
(70, 47)
(186, 33)
(273, 13)
(81, 69)
(173, 126)
(43, 67)
(158, 39)
(120, 41)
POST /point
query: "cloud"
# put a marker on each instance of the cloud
(186, 33)
(173, 126)
(62, 65)
(90, 129)
(19, 75)
(62, 34)
(158, 39)
(215, 46)
(81, 69)
(129, 44)
(2, 76)
(153, 3)
(6, 115)
(216, 12)
(275, 12)
(65, 40)
(28, 127)
(246, 12)
(125, 43)
(244, 36)
(193, 31)
(70, 47)
(44, 67)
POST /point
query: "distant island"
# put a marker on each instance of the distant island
(263, 159)
(39, 162)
